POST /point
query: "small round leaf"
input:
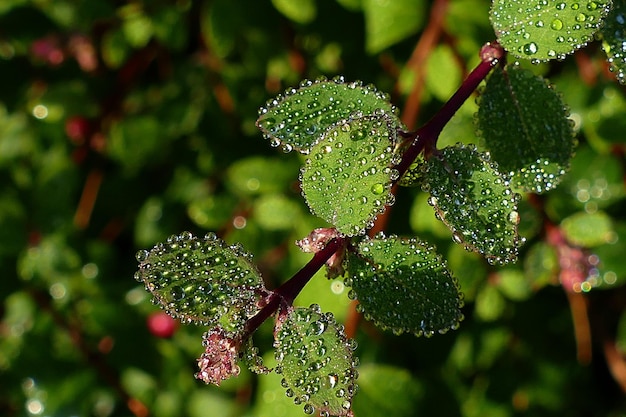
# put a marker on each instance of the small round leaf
(202, 280)
(404, 285)
(546, 29)
(526, 128)
(299, 118)
(316, 361)
(347, 178)
(475, 201)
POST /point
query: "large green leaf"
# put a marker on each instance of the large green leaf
(202, 280)
(475, 200)
(316, 361)
(299, 118)
(347, 178)
(546, 29)
(404, 285)
(526, 128)
(389, 22)
(614, 39)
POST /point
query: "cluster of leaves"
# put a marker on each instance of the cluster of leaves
(124, 123)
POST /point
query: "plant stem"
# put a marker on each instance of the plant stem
(286, 293)
(426, 136)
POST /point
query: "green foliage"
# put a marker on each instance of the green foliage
(405, 286)
(123, 123)
(300, 118)
(538, 155)
(316, 361)
(475, 201)
(202, 281)
(545, 29)
(347, 178)
(614, 39)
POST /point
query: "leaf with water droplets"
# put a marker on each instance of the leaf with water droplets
(347, 178)
(526, 128)
(299, 118)
(316, 361)
(614, 39)
(202, 280)
(404, 285)
(546, 29)
(474, 200)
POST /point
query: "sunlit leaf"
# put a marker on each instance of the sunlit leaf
(202, 280)
(316, 361)
(404, 285)
(347, 178)
(546, 29)
(526, 128)
(475, 201)
(299, 118)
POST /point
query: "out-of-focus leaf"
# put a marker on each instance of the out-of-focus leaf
(588, 229)
(379, 383)
(302, 11)
(389, 22)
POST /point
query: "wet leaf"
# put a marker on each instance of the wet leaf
(316, 361)
(202, 280)
(526, 128)
(546, 29)
(404, 285)
(299, 118)
(347, 178)
(475, 201)
(614, 39)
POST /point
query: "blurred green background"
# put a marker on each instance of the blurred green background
(123, 122)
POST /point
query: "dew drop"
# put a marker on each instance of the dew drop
(377, 189)
(530, 48)
(557, 24)
(308, 409)
(142, 255)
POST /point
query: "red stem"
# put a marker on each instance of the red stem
(426, 136)
(286, 293)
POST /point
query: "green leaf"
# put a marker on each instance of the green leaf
(202, 280)
(378, 383)
(404, 285)
(347, 178)
(541, 265)
(389, 22)
(526, 128)
(588, 229)
(546, 29)
(474, 200)
(614, 39)
(316, 361)
(299, 118)
(301, 11)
